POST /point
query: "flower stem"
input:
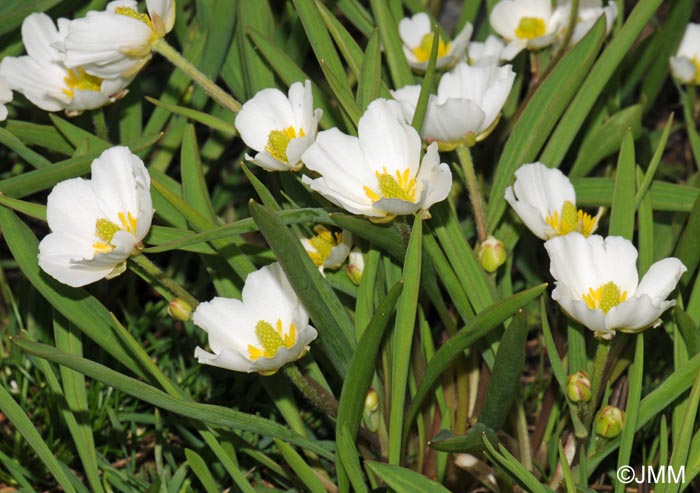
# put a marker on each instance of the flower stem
(601, 359)
(153, 272)
(100, 123)
(219, 95)
(317, 395)
(465, 158)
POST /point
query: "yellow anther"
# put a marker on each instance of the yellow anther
(605, 297)
(323, 243)
(129, 12)
(271, 339)
(278, 140)
(570, 220)
(422, 51)
(530, 28)
(78, 80)
(402, 186)
(128, 221)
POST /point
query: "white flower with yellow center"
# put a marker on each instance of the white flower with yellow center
(97, 224)
(482, 54)
(685, 66)
(597, 283)
(5, 97)
(379, 173)
(261, 333)
(588, 13)
(117, 42)
(417, 36)
(280, 128)
(328, 250)
(524, 24)
(545, 200)
(44, 79)
(466, 108)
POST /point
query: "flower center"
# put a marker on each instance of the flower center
(78, 80)
(571, 220)
(323, 243)
(271, 339)
(278, 140)
(402, 186)
(129, 12)
(530, 28)
(605, 297)
(422, 51)
(106, 229)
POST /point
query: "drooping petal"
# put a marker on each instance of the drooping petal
(41, 83)
(57, 255)
(40, 37)
(228, 324)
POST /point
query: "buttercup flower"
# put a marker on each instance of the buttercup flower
(328, 250)
(97, 224)
(377, 173)
(545, 200)
(5, 97)
(44, 79)
(685, 66)
(417, 36)
(597, 283)
(117, 42)
(467, 105)
(588, 13)
(524, 24)
(486, 53)
(280, 128)
(261, 333)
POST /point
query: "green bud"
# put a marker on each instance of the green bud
(356, 264)
(492, 254)
(578, 387)
(371, 414)
(609, 422)
(179, 309)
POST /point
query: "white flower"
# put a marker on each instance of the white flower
(378, 173)
(44, 79)
(524, 24)
(97, 224)
(280, 128)
(466, 107)
(486, 53)
(545, 200)
(5, 97)
(117, 42)
(588, 13)
(266, 330)
(597, 283)
(328, 250)
(417, 36)
(685, 66)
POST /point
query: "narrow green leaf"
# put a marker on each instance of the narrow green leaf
(515, 470)
(300, 468)
(13, 13)
(681, 447)
(197, 116)
(200, 469)
(593, 192)
(428, 83)
(348, 463)
(566, 469)
(336, 331)
(346, 43)
(45, 136)
(688, 250)
(37, 211)
(257, 74)
(505, 376)
(654, 163)
(472, 442)
(689, 331)
(194, 185)
(342, 93)
(77, 136)
(393, 47)
(622, 215)
(369, 84)
(404, 480)
(35, 159)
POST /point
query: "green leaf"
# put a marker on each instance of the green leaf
(622, 215)
(393, 47)
(369, 84)
(404, 480)
(257, 74)
(428, 83)
(200, 469)
(45, 136)
(37, 211)
(654, 163)
(336, 331)
(207, 413)
(681, 447)
(542, 112)
(688, 250)
(475, 329)
(515, 470)
(194, 186)
(300, 468)
(198, 116)
(13, 13)
(35, 159)
(505, 377)
(689, 331)
(77, 136)
(472, 442)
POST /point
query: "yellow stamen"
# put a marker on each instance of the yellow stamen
(422, 51)
(278, 140)
(106, 229)
(323, 243)
(570, 220)
(530, 28)
(271, 339)
(129, 12)
(78, 80)
(696, 62)
(400, 187)
(605, 297)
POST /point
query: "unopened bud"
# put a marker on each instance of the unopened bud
(370, 414)
(179, 309)
(492, 254)
(609, 422)
(578, 387)
(356, 264)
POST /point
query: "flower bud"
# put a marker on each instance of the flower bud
(179, 309)
(609, 422)
(371, 414)
(356, 264)
(491, 254)
(578, 387)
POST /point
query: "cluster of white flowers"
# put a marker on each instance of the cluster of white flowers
(596, 278)
(83, 64)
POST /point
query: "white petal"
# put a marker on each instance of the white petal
(435, 177)
(353, 203)
(661, 278)
(690, 44)
(579, 311)
(226, 359)
(267, 295)
(512, 49)
(72, 208)
(268, 110)
(228, 323)
(636, 314)
(267, 162)
(87, 100)
(683, 69)
(39, 35)
(57, 253)
(531, 216)
(615, 259)
(452, 120)
(413, 29)
(301, 102)
(572, 264)
(41, 83)
(407, 97)
(162, 14)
